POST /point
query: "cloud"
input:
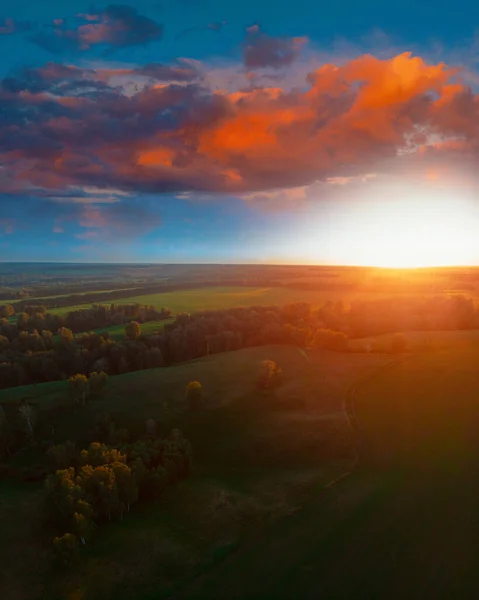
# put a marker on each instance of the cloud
(161, 72)
(116, 26)
(122, 221)
(64, 129)
(264, 51)
(216, 26)
(10, 26)
(280, 199)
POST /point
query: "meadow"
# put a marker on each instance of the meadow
(258, 457)
(258, 517)
(403, 524)
(211, 298)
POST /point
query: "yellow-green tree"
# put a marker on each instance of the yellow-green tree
(269, 374)
(78, 388)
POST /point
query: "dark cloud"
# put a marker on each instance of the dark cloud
(63, 127)
(216, 26)
(265, 51)
(163, 72)
(10, 26)
(116, 26)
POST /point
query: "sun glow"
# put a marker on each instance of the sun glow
(405, 231)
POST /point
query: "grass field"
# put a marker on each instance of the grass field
(405, 524)
(117, 332)
(258, 457)
(228, 297)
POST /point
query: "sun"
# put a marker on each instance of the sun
(408, 232)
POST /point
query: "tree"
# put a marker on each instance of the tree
(99, 454)
(82, 527)
(62, 494)
(132, 330)
(330, 340)
(7, 310)
(100, 490)
(28, 416)
(97, 382)
(22, 321)
(66, 548)
(126, 485)
(66, 336)
(194, 395)
(269, 374)
(78, 388)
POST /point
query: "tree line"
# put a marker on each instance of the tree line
(36, 318)
(38, 357)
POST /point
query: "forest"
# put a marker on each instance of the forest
(37, 346)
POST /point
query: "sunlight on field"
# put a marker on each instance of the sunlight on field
(211, 298)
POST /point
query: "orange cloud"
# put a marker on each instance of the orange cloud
(352, 120)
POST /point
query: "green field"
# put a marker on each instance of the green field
(117, 332)
(405, 524)
(258, 457)
(228, 297)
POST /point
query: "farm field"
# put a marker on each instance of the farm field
(117, 332)
(404, 525)
(258, 457)
(210, 298)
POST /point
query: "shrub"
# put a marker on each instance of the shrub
(269, 374)
(330, 340)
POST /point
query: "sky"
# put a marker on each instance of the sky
(252, 131)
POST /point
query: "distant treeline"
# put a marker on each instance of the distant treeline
(8, 294)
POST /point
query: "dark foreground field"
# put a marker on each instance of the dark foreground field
(406, 523)
(257, 458)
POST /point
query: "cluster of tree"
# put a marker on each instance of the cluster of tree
(102, 483)
(402, 313)
(36, 318)
(41, 358)
(35, 357)
(81, 387)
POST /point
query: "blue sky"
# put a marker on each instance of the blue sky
(206, 131)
